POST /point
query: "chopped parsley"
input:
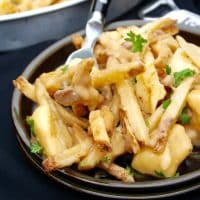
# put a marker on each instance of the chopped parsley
(166, 103)
(184, 118)
(195, 156)
(182, 75)
(159, 174)
(137, 41)
(177, 174)
(30, 122)
(147, 123)
(106, 159)
(130, 170)
(36, 148)
(14, 1)
(168, 70)
(64, 68)
(134, 80)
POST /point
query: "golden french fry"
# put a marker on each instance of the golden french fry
(148, 87)
(77, 40)
(116, 74)
(25, 87)
(108, 119)
(194, 135)
(152, 31)
(67, 157)
(92, 159)
(98, 128)
(193, 100)
(44, 130)
(180, 61)
(53, 81)
(159, 135)
(118, 172)
(154, 119)
(168, 161)
(133, 112)
(69, 118)
(192, 50)
(60, 130)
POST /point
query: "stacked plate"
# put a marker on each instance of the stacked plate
(106, 187)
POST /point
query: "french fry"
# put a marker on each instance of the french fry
(158, 137)
(67, 157)
(98, 128)
(92, 159)
(69, 118)
(194, 135)
(164, 26)
(192, 50)
(108, 119)
(25, 87)
(132, 145)
(118, 144)
(118, 172)
(44, 131)
(60, 128)
(116, 74)
(53, 81)
(130, 106)
(148, 87)
(168, 161)
(179, 61)
(154, 119)
(101, 56)
(115, 106)
(193, 100)
(77, 40)
(133, 142)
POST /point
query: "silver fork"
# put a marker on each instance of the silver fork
(94, 28)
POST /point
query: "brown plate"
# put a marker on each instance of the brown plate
(146, 187)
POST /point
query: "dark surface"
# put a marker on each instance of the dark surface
(18, 178)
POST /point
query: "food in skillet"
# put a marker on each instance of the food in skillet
(142, 100)
(15, 6)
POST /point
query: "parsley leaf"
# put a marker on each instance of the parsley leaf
(147, 123)
(159, 174)
(166, 103)
(64, 68)
(134, 80)
(14, 2)
(195, 156)
(168, 70)
(184, 118)
(130, 170)
(30, 122)
(106, 159)
(182, 75)
(36, 148)
(137, 41)
(176, 175)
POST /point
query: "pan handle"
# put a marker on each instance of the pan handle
(187, 19)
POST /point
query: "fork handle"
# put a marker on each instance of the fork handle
(101, 6)
(95, 24)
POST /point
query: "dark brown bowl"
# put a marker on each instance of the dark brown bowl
(48, 60)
